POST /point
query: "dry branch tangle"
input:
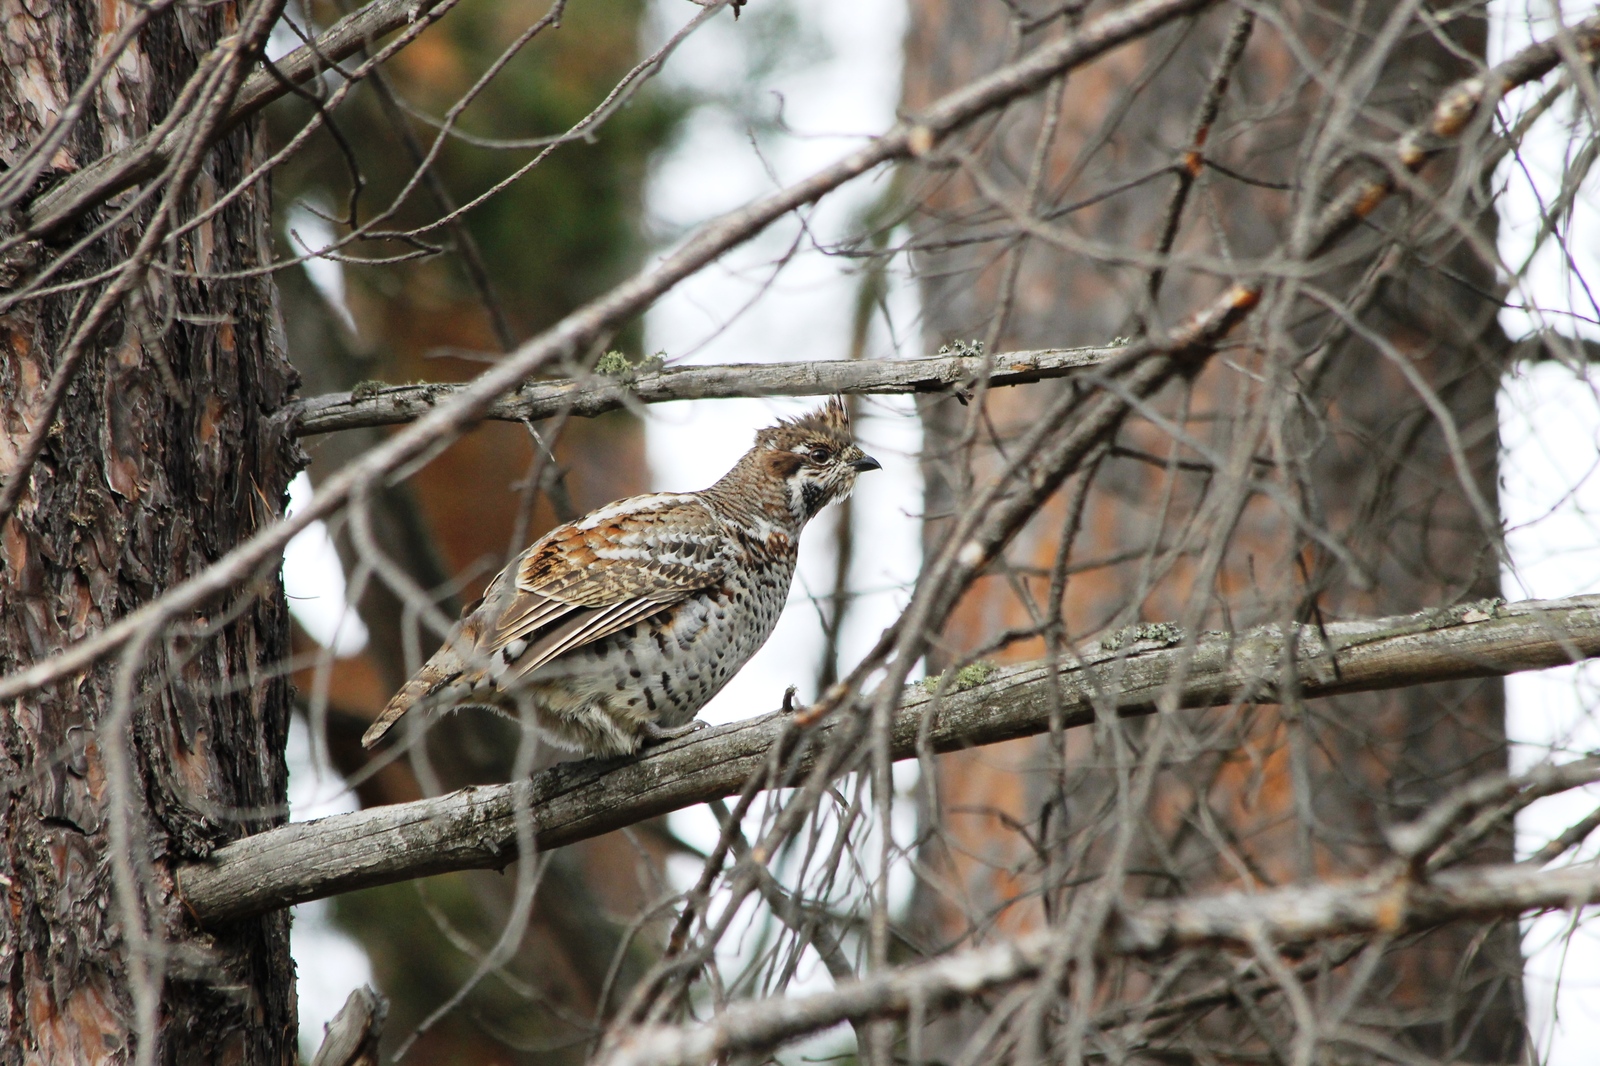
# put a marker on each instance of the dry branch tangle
(145, 158)
(476, 827)
(1295, 914)
(567, 338)
(595, 395)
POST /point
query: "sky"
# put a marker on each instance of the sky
(837, 79)
(1550, 497)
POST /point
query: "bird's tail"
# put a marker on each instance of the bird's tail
(439, 671)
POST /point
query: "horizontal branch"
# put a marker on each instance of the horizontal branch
(600, 317)
(475, 828)
(595, 394)
(1296, 914)
(149, 155)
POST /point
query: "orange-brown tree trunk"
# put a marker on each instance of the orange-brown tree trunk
(1264, 794)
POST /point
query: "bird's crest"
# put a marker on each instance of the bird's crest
(831, 421)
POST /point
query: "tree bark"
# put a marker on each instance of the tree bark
(165, 454)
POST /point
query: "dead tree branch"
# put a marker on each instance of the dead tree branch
(475, 828)
(1298, 914)
(352, 1036)
(146, 157)
(594, 395)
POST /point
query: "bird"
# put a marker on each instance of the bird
(614, 630)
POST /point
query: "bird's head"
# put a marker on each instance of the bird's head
(814, 456)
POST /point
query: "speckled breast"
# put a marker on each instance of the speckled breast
(667, 667)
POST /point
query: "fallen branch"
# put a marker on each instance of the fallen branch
(595, 394)
(1297, 914)
(475, 828)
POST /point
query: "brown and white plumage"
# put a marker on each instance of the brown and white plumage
(620, 626)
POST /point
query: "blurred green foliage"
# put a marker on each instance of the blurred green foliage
(560, 234)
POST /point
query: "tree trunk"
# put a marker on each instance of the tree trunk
(1294, 791)
(164, 455)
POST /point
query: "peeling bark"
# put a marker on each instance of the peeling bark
(165, 454)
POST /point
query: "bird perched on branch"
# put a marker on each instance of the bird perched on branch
(617, 628)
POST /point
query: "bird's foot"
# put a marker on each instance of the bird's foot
(806, 716)
(657, 734)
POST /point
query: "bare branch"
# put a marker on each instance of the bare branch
(1297, 914)
(1312, 912)
(596, 395)
(352, 1037)
(146, 157)
(1448, 120)
(476, 827)
(1422, 844)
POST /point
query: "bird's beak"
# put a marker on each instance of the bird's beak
(865, 463)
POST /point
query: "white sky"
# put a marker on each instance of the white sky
(836, 79)
(313, 580)
(1550, 496)
(329, 963)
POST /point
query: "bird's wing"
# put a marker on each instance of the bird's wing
(579, 583)
(594, 577)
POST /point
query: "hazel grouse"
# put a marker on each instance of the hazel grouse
(617, 628)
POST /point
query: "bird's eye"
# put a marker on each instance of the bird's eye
(819, 453)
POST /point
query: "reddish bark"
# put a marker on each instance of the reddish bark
(142, 483)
